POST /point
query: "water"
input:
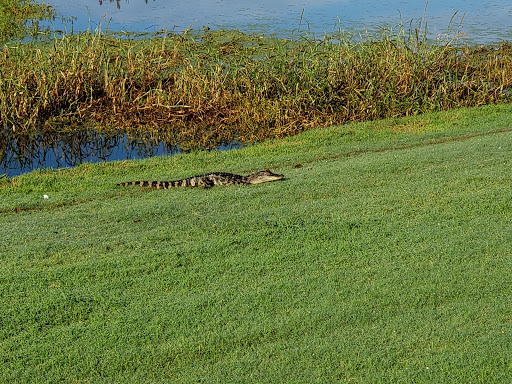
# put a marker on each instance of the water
(491, 23)
(487, 23)
(25, 154)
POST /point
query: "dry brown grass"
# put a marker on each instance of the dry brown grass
(201, 90)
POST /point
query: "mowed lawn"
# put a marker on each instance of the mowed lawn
(384, 256)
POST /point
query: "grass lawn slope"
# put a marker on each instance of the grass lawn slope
(384, 256)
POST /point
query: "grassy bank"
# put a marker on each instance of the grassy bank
(201, 89)
(384, 257)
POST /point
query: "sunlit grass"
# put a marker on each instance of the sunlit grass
(385, 258)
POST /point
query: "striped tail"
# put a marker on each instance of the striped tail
(151, 184)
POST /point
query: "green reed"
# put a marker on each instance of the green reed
(200, 89)
(19, 17)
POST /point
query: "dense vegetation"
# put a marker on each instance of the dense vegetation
(19, 17)
(200, 89)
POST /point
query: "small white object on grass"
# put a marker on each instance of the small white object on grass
(45, 197)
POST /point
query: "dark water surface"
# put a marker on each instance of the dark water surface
(25, 154)
(475, 21)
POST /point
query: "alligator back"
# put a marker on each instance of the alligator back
(208, 180)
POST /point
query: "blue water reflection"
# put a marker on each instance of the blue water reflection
(23, 154)
(491, 22)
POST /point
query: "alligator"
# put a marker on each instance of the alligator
(208, 180)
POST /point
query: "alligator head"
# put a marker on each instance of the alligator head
(263, 177)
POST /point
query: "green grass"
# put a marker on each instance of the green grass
(386, 257)
(19, 18)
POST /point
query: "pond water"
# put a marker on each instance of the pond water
(477, 23)
(25, 154)
(484, 22)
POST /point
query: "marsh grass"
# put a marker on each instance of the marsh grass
(21, 17)
(199, 89)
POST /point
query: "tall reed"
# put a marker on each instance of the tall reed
(19, 17)
(201, 89)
